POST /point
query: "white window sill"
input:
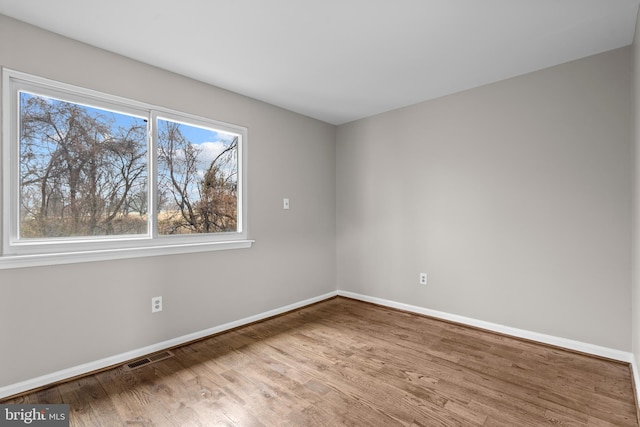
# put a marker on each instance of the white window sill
(37, 260)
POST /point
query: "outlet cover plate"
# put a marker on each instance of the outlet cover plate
(156, 304)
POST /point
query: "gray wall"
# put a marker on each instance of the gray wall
(514, 197)
(636, 198)
(53, 318)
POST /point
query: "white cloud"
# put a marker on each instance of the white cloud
(209, 151)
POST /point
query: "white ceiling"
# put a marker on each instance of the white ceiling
(341, 60)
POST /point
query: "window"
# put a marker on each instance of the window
(98, 176)
(197, 181)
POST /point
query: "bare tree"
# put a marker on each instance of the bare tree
(193, 200)
(79, 169)
(218, 192)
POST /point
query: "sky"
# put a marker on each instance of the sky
(210, 142)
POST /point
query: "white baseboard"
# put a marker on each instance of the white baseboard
(636, 382)
(118, 359)
(65, 374)
(596, 350)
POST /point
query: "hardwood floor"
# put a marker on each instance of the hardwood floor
(344, 362)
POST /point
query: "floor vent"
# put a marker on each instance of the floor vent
(149, 359)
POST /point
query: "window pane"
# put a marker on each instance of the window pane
(197, 179)
(83, 170)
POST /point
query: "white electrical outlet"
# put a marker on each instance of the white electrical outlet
(423, 278)
(285, 203)
(156, 304)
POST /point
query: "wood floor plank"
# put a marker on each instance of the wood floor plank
(348, 363)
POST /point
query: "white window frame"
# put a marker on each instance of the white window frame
(48, 251)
